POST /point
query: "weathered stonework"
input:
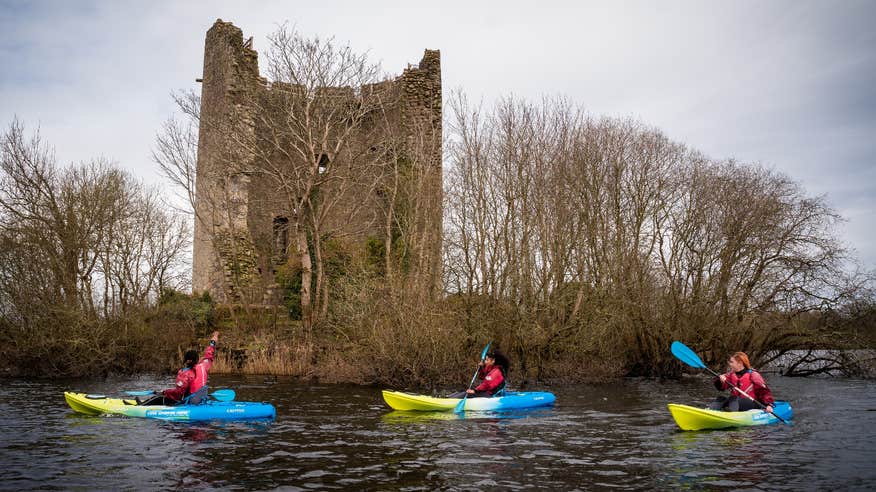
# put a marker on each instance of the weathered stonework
(236, 238)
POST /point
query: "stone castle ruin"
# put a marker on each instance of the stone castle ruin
(269, 186)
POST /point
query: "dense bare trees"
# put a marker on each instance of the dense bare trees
(82, 246)
(604, 233)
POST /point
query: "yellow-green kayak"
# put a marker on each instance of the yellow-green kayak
(693, 418)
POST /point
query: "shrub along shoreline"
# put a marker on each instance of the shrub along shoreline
(400, 343)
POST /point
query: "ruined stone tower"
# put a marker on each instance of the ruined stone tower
(241, 232)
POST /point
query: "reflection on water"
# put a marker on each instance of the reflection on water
(330, 437)
(403, 417)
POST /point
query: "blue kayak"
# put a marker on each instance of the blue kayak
(511, 400)
(209, 410)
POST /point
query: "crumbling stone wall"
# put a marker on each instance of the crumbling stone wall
(422, 120)
(235, 235)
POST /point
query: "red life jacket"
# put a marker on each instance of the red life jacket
(493, 378)
(190, 380)
(751, 382)
(201, 369)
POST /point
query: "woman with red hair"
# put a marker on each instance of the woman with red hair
(741, 375)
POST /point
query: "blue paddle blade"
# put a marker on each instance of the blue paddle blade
(224, 395)
(461, 405)
(484, 353)
(686, 355)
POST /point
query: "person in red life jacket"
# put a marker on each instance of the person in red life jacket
(191, 380)
(741, 375)
(491, 373)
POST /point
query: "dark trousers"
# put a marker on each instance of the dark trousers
(156, 400)
(159, 399)
(733, 404)
(477, 394)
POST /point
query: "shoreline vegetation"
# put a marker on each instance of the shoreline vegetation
(399, 354)
(581, 245)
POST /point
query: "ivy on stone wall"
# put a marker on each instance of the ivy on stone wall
(237, 255)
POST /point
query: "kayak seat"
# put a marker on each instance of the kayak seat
(156, 399)
(500, 391)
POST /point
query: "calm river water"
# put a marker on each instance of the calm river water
(342, 437)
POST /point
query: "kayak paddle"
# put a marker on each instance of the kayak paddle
(686, 355)
(219, 395)
(461, 404)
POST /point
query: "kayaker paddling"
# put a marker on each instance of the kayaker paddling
(509, 400)
(741, 375)
(692, 418)
(191, 380)
(491, 372)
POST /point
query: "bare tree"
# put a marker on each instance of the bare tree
(66, 213)
(176, 148)
(144, 256)
(309, 141)
(83, 246)
(603, 229)
(215, 199)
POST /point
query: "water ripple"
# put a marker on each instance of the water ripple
(325, 437)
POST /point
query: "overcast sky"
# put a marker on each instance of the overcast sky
(787, 84)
